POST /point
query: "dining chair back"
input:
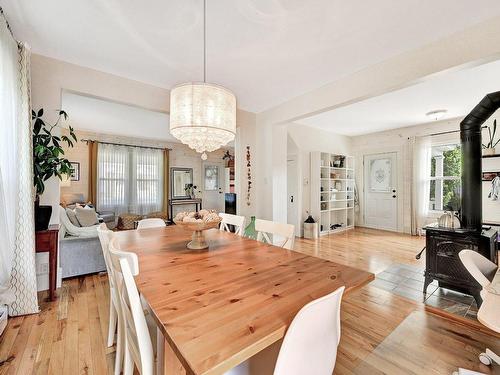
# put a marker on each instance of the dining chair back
(482, 270)
(478, 266)
(139, 347)
(311, 341)
(228, 219)
(284, 232)
(104, 237)
(151, 223)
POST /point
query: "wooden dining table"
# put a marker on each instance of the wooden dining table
(218, 307)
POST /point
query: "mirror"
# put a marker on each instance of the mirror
(181, 179)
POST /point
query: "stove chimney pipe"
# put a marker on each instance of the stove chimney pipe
(470, 136)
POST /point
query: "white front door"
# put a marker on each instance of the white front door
(380, 193)
(212, 183)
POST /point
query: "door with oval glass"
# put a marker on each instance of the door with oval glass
(380, 192)
(213, 186)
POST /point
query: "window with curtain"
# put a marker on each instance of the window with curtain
(445, 185)
(130, 179)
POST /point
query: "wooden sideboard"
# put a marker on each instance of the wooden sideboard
(46, 241)
(179, 202)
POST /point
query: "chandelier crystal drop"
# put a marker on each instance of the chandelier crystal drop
(203, 115)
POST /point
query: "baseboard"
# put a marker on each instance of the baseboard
(3, 318)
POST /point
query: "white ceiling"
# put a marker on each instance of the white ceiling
(106, 117)
(457, 92)
(266, 51)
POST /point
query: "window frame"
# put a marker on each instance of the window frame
(441, 178)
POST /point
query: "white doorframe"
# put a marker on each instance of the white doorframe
(293, 160)
(395, 183)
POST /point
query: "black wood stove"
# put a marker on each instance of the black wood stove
(443, 244)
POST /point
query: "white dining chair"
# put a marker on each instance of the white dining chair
(284, 232)
(139, 345)
(104, 236)
(228, 219)
(151, 223)
(309, 346)
(482, 270)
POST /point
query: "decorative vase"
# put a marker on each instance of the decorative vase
(42, 216)
(489, 151)
(250, 231)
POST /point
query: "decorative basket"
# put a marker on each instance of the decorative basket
(198, 240)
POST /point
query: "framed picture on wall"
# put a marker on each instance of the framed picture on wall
(75, 171)
(489, 176)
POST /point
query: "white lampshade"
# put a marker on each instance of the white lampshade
(202, 115)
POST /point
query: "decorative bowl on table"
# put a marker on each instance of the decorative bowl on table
(197, 222)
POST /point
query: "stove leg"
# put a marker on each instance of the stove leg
(427, 281)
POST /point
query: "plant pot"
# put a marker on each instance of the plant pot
(488, 151)
(42, 217)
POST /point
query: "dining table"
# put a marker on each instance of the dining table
(216, 308)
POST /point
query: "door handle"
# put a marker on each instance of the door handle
(393, 190)
(291, 198)
(394, 196)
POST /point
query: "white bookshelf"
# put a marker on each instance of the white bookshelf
(332, 191)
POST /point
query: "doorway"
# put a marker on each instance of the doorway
(292, 193)
(212, 184)
(380, 191)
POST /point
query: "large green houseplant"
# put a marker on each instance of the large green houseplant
(48, 160)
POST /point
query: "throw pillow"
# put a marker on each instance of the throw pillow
(72, 217)
(86, 216)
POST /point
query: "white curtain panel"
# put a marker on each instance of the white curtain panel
(113, 166)
(130, 179)
(8, 109)
(422, 148)
(16, 168)
(147, 180)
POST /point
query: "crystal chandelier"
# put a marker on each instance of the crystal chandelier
(203, 115)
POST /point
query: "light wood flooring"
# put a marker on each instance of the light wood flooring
(381, 332)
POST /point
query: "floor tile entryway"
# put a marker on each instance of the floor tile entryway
(408, 281)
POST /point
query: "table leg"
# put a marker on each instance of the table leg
(171, 364)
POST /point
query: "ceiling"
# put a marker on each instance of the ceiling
(266, 51)
(103, 116)
(457, 92)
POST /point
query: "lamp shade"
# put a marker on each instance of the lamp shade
(65, 181)
(202, 115)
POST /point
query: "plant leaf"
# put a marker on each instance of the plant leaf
(40, 112)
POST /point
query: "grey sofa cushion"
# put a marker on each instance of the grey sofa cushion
(86, 216)
(80, 256)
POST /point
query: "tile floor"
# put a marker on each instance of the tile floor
(408, 281)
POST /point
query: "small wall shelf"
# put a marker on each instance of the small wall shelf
(332, 191)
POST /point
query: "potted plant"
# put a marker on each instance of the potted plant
(489, 148)
(48, 160)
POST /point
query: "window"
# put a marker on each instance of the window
(130, 179)
(445, 184)
(211, 177)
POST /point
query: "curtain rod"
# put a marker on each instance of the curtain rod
(451, 131)
(126, 145)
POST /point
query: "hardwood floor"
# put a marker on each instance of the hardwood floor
(367, 249)
(381, 332)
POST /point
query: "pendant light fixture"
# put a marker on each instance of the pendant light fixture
(203, 115)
